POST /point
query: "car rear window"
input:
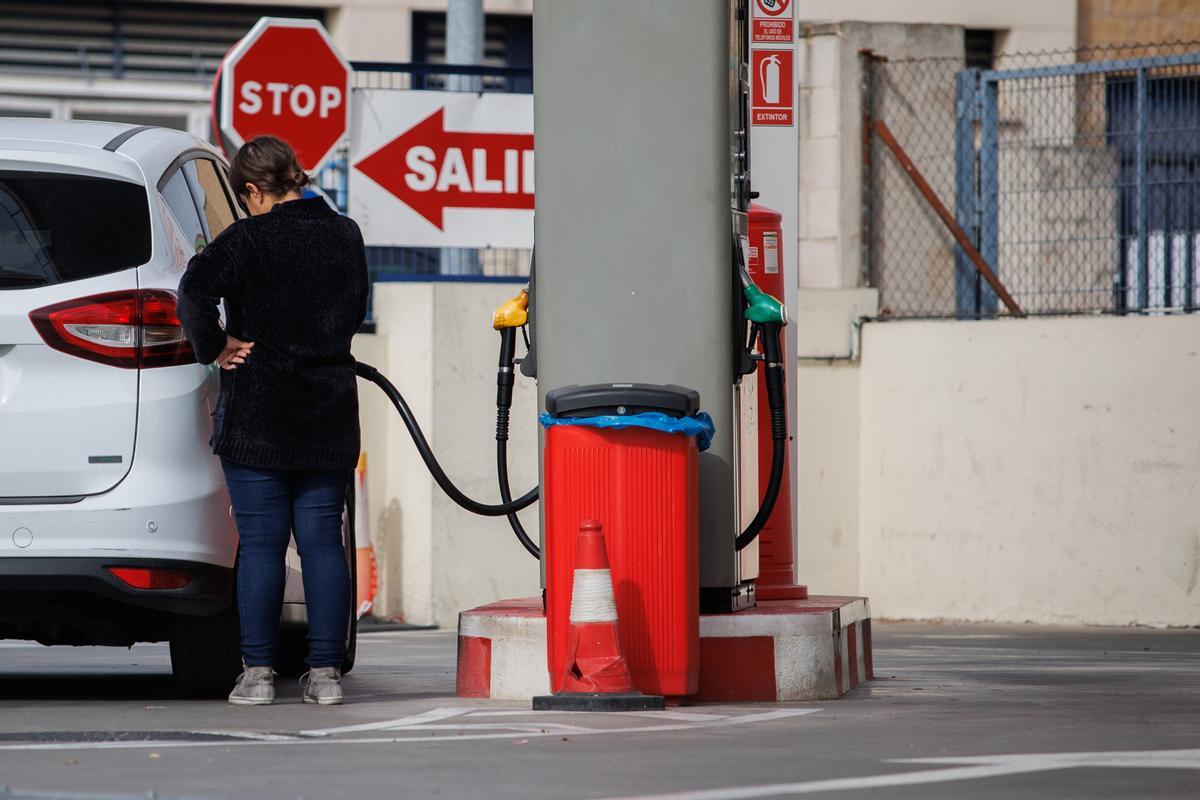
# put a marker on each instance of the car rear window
(57, 228)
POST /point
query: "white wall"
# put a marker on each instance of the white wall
(1043, 470)
(436, 344)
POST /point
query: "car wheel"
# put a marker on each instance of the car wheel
(206, 653)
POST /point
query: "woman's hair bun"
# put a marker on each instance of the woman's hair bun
(269, 163)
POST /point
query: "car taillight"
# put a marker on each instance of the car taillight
(130, 329)
(144, 578)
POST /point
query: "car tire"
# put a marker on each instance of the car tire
(206, 653)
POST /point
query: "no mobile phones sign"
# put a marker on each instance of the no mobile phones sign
(772, 22)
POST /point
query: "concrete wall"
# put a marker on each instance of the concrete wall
(1109, 22)
(1023, 25)
(830, 117)
(1040, 470)
(436, 344)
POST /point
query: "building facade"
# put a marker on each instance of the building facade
(153, 61)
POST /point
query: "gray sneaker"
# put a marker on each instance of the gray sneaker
(323, 686)
(255, 687)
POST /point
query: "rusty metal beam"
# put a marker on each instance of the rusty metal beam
(885, 134)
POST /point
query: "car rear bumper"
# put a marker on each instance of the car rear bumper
(209, 591)
(175, 520)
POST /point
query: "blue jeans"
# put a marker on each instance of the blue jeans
(271, 504)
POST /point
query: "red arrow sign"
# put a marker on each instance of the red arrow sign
(430, 169)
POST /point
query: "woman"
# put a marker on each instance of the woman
(294, 280)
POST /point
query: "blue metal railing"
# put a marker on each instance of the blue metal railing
(415, 75)
(1150, 109)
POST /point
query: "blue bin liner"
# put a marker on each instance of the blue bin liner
(701, 425)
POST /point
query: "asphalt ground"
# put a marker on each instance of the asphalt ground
(955, 711)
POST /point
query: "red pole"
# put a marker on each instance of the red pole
(776, 551)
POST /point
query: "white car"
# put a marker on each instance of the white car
(115, 526)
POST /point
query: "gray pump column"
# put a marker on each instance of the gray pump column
(634, 104)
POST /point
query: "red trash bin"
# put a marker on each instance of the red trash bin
(642, 484)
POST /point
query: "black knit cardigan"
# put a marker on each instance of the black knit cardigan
(294, 282)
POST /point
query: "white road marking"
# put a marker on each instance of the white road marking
(976, 767)
(522, 727)
(768, 716)
(259, 737)
(1152, 759)
(409, 724)
(680, 716)
(433, 715)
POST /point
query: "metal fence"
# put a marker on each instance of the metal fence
(432, 263)
(443, 77)
(1073, 177)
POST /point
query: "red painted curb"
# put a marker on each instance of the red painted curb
(736, 669)
(474, 667)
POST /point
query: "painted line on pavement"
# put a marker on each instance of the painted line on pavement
(324, 738)
(680, 716)
(260, 737)
(433, 715)
(979, 767)
(523, 727)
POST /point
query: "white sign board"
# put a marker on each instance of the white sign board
(442, 169)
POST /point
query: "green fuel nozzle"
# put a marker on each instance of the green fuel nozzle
(768, 317)
(762, 308)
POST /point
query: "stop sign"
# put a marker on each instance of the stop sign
(286, 78)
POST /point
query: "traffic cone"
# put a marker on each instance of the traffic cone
(597, 676)
(367, 570)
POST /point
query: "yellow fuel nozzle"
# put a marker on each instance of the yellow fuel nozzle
(513, 313)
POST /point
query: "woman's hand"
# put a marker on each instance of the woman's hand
(236, 351)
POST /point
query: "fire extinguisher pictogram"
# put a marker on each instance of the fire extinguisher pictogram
(768, 73)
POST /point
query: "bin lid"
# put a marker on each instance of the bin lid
(622, 398)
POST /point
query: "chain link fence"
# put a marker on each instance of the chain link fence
(1073, 176)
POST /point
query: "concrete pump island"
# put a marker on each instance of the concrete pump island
(644, 306)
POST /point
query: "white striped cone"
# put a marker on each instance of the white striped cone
(595, 662)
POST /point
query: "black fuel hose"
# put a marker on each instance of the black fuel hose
(504, 392)
(367, 372)
(769, 335)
